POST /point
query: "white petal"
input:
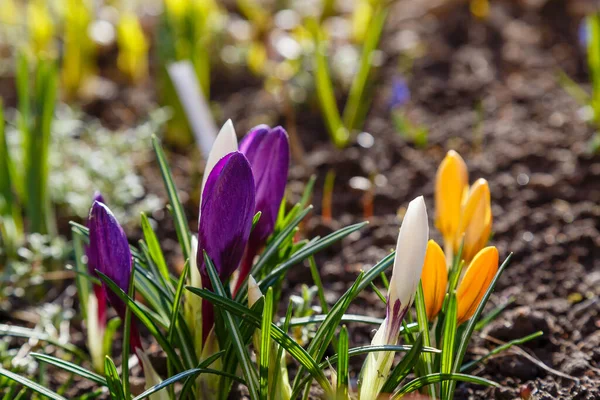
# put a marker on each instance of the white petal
(95, 334)
(410, 253)
(254, 293)
(225, 143)
(152, 378)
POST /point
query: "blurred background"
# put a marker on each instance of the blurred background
(372, 93)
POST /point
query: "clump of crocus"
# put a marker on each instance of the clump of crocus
(475, 282)
(463, 215)
(408, 263)
(268, 152)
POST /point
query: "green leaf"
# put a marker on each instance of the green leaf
(288, 343)
(181, 226)
(325, 91)
(314, 271)
(112, 380)
(423, 322)
(70, 367)
(190, 373)
(239, 344)
(418, 383)
(342, 370)
(405, 365)
(306, 195)
(308, 251)
(82, 283)
(346, 318)
(468, 332)
(154, 247)
(144, 319)
(31, 385)
(17, 331)
(499, 349)
(448, 338)
(186, 390)
(265, 345)
(357, 104)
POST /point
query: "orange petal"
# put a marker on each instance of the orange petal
(451, 182)
(434, 279)
(475, 220)
(476, 281)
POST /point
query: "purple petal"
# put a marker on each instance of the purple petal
(110, 250)
(268, 152)
(226, 215)
(92, 263)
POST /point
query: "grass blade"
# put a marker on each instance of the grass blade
(466, 337)
(448, 338)
(423, 322)
(405, 365)
(70, 367)
(31, 385)
(265, 345)
(236, 338)
(418, 383)
(112, 379)
(342, 369)
(181, 225)
(154, 247)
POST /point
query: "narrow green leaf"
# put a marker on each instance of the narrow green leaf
(154, 247)
(127, 337)
(342, 369)
(82, 283)
(418, 383)
(448, 338)
(181, 225)
(144, 319)
(346, 318)
(190, 373)
(31, 385)
(468, 332)
(325, 91)
(265, 345)
(405, 365)
(306, 195)
(423, 322)
(499, 349)
(239, 345)
(186, 390)
(70, 367)
(177, 302)
(314, 271)
(17, 331)
(112, 380)
(357, 100)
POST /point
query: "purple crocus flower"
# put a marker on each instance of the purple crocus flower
(583, 33)
(225, 222)
(111, 256)
(400, 93)
(92, 266)
(268, 152)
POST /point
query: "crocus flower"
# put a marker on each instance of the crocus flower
(471, 288)
(111, 256)
(434, 279)
(475, 220)
(584, 33)
(96, 308)
(408, 264)
(226, 216)
(268, 152)
(400, 93)
(451, 184)
(476, 282)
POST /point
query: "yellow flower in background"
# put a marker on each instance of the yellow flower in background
(476, 281)
(451, 184)
(41, 28)
(434, 279)
(361, 17)
(133, 48)
(79, 49)
(475, 220)
(480, 8)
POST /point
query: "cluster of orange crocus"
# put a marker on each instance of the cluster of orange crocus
(464, 218)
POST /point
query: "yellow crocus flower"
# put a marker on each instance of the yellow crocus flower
(451, 183)
(434, 279)
(476, 281)
(475, 220)
(133, 48)
(41, 27)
